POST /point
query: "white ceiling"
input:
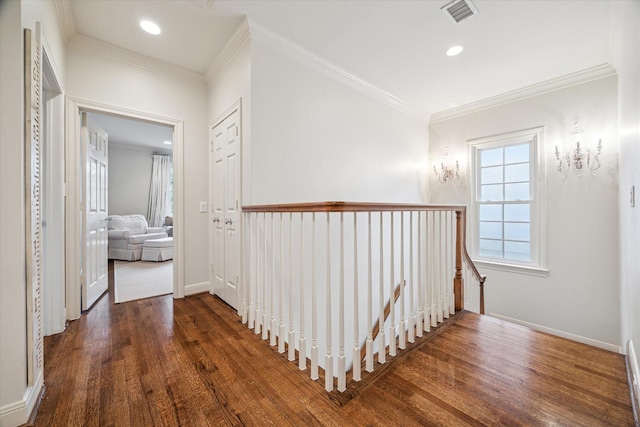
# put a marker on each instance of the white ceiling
(397, 46)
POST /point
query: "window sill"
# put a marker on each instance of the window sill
(512, 268)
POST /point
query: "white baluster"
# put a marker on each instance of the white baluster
(302, 343)
(411, 287)
(291, 343)
(392, 316)
(369, 344)
(440, 253)
(382, 355)
(452, 266)
(342, 371)
(272, 307)
(356, 303)
(402, 335)
(314, 303)
(433, 256)
(421, 283)
(260, 273)
(244, 265)
(328, 359)
(267, 291)
(281, 285)
(252, 279)
(447, 280)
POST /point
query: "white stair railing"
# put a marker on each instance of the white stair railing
(330, 269)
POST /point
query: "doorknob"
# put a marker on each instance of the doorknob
(228, 221)
(216, 219)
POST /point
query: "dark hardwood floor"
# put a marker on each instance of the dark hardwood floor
(190, 362)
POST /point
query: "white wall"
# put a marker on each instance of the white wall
(316, 139)
(129, 179)
(232, 84)
(100, 79)
(16, 398)
(580, 294)
(628, 66)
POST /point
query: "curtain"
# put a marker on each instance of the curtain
(158, 191)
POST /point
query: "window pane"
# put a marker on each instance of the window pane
(491, 248)
(516, 153)
(490, 212)
(491, 157)
(521, 212)
(517, 251)
(517, 231)
(491, 192)
(490, 230)
(491, 175)
(516, 173)
(516, 191)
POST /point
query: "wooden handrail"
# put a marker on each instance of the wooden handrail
(479, 277)
(349, 207)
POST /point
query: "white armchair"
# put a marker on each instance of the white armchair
(127, 234)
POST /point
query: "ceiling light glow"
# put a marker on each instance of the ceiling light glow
(453, 51)
(167, 142)
(150, 27)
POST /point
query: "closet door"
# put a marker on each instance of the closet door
(226, 208)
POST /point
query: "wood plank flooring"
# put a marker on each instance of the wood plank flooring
(190, 362)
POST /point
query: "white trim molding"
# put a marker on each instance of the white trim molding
(634, 372)
(135, 60)
(234, 46)
(17, 413)
(561, 334)
(73, 223)
(197, 288)
(325, 66)
(562, 82)
(65, 16)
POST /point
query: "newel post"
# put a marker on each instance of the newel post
(458, 282)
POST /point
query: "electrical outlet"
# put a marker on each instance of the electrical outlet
(203, 207)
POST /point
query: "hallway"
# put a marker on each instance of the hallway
(190, 362)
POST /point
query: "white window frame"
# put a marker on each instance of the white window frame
(538, 265)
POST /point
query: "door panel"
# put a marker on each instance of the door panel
(226, 201)
(94, 266)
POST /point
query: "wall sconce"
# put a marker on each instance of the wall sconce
(446, 172)
(578, 156)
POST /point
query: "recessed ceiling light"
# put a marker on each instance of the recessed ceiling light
(167, 142)
(150, 27)
(453, 51)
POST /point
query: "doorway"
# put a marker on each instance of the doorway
(74, 238)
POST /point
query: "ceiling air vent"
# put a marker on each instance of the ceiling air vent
(459, 10)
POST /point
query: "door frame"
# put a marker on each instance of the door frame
(218, 120)
(73, 218)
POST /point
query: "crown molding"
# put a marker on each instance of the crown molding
(562, 82)
(65, 16)
(334, 71)
(135, 60)
(203, 4)
(236, 43)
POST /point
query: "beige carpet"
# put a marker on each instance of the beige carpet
(141, 279)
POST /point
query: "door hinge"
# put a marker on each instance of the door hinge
(212, 267)
(212, 146)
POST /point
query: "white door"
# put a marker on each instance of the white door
(225, 208)
(95, 228)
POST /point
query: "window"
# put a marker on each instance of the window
(507, 200)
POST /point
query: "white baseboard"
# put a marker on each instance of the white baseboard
(197, 288)
(635, 372)
(563, 334)
(17, 413)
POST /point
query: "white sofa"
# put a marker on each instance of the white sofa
(127, 234)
